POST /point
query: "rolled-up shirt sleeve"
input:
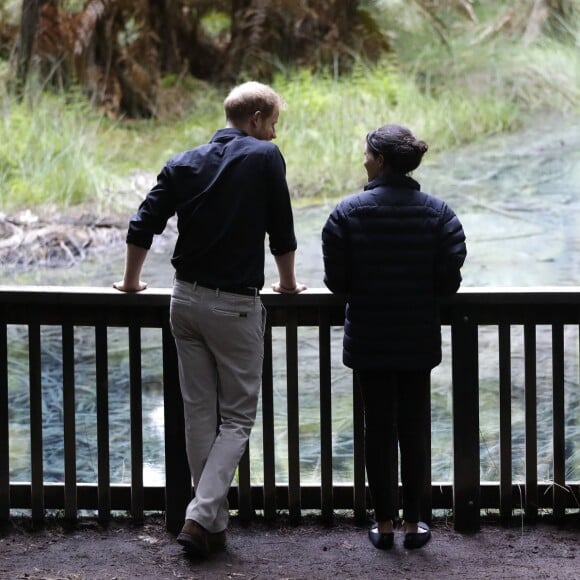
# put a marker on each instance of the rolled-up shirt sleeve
(279, 221)
(154, 212)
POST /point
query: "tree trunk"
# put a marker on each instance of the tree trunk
(238, 46)
(164, 20)
(28, 29)
(345, 12)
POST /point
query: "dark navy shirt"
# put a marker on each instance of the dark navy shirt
(228, 194)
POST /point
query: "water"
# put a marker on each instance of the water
(518, 197)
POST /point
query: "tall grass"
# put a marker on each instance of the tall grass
(54, 149)
(50, 153)
(190, 112)
(532, 78)
(322, 133)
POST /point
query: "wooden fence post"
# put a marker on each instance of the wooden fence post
(466, 483)
(177, 475)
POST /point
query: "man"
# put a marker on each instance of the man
(228, 194)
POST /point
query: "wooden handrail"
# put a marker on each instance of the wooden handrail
(465, 313)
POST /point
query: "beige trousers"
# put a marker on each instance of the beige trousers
(220, 347)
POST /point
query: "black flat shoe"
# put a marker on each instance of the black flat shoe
(414, 540)
(381, 541)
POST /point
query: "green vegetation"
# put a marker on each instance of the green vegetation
(49, 152)
(55, 149)
(322, 133)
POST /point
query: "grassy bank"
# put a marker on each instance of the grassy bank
(55, 149)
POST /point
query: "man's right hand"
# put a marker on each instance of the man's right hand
(131, 281)
(283, 290)
(123, 287)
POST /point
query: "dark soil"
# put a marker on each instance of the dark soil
(261, 551)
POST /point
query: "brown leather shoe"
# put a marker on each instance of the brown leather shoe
(217, 541)
(194, 538)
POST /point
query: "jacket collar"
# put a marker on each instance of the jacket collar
(393, 180)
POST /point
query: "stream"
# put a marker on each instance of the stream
(518, 197)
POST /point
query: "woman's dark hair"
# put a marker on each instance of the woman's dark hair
(400, 149)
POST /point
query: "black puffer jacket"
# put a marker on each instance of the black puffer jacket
(392, 250)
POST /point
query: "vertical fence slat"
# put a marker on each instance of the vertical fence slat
(466, 486)
(268, 429)
(136, 413)
(69, 426)
(558, 421)
(36, 451)
(531, 422)
(244, 487)
(326, 491)
(102, 375)
(294, 495)
(177, 475)
(4, 431)
(505, 421)
(360, 491)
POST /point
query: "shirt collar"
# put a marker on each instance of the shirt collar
(227, 134)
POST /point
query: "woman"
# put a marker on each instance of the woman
(393, 250)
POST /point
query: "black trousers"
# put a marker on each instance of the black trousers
(397, 415)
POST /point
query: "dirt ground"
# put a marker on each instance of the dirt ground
(260, 551)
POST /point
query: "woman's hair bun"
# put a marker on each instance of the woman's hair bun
(401, 150)
(421, 146)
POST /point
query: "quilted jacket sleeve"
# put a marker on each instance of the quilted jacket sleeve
(451, 253)
(335, 252)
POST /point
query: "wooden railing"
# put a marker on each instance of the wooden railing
(465, 314)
